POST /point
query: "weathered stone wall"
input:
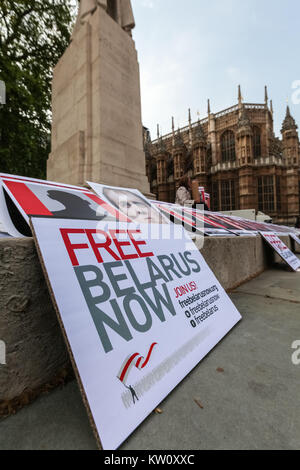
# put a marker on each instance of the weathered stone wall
(36, 354)
(35, 349)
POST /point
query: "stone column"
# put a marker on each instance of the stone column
(97, 125)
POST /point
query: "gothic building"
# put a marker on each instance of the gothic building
(235, 155)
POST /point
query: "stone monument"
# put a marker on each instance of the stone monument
(97, 126)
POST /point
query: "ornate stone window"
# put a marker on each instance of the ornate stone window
(224, 195)
(256, 142)
(178, 170)
(228, 195)
(278, 194)
(228, 146)
(199, 162)
(161, 171)
(159, 176)
(215, 196)
(266, 194)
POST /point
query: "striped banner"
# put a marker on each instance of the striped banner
(134, 360)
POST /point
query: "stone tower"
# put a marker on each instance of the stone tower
(179, 156)
(290, 147)
(199, 149)
(244, 136)
(161, 162)
(97, 130)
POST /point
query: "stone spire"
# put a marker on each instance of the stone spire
(266, 96)
(178, 139)
(289, 122)
(240, 102)
(161, 146)
(240, 98)
(199, 135)
(173, 131)
(190, 129)
(208, 107)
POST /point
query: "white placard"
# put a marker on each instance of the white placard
(33, 197)
(283, 251)
(295, 238)
(138, 314)
(131, 202)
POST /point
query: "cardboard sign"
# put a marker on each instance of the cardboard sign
(4, 235)
(201, 191)
(295, 238)
(179, 216)
(138, 315)
(131, 203)
(22, 197)
(207, 199)
(282, 250)
(193, 220)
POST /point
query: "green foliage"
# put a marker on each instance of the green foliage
(33, 36)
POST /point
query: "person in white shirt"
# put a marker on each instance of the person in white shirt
(183, 194)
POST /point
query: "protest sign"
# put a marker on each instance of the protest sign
(21, 197)
(295, 238)
(207, 199)
(137, 315)
(130, 202)
(229, 223)
(4, 235)
(193, 220)
(282, 250)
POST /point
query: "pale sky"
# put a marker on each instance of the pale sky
(192, 50)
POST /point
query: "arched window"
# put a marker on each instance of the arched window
(178, 168)
(256, 142)
(228, 146)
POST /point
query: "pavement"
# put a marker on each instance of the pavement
(243, 395)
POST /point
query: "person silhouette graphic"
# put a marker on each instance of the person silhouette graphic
(133, 393)
(75, 206)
